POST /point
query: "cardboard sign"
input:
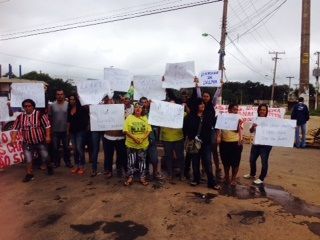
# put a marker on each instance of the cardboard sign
(10, 154)
(22, 91)
(179, 75)
(149, 86)
(105, 117)
(275, 132)
(210, 78)
(92, 91)
(227, 121)
(166, 114)
(118, 79)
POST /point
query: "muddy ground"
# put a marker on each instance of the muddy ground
(68, 207)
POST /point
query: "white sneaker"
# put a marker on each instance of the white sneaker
(248, 176)
(257, 181)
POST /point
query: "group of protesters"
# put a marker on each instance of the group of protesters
(136, 144)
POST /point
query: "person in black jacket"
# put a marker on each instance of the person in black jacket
(300, 112)
(198, 116)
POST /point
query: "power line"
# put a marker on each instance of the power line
(137, 15)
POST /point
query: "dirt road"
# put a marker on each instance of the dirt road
(67, 207)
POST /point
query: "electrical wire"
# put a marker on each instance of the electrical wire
(136, 15)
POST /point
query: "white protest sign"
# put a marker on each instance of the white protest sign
(10, 154)
(105, 117)
(119, 79)
(179, 75)
(22, 91)
(210, 78)
(92, 91)
(149, 86)
(275, 132)
(165, 114)
(4, 111)
(227, 121)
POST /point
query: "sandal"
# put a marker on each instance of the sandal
(144, 182)
(81, 171)
(129, 181)
(216, 187)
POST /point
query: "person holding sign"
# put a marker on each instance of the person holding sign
(197, 130)
(259, 150)
(231, 148)
(35, 128)
(137, 131)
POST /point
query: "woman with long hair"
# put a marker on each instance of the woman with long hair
(259, 150)
(78, 120)
(197, 128)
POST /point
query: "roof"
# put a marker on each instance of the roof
(19, 80)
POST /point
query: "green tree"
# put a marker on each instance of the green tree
(53, 83)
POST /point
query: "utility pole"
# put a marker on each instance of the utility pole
(316, 73)
(289, 77)
(305, 51)
(222, 51)
(275, 59)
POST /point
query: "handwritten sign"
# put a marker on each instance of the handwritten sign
(10, 154)
(166, 114)
(22, 91)
(179, 75)
(149, 86)
(249, 113)
(105, 117)
(4, 112)
(275, 132)
(118, 79)
(92, 91)
(227, 121)
(210, 79)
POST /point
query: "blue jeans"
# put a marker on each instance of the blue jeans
(301, 142)
(60, 137)
(42, 150)
(77, 140)
(205, 156)
(178, 148)
(95, 146)
(263, 151)
(109, 146)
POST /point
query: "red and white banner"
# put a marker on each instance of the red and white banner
(10, 154)
(248, 113)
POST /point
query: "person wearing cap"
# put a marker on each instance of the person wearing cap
(137, 131)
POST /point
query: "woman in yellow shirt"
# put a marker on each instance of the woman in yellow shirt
(137, 130)
(231, 148)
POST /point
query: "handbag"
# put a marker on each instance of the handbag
(194, 145)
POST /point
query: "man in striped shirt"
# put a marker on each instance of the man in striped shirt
(35, 129)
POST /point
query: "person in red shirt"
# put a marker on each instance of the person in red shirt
(35, 129)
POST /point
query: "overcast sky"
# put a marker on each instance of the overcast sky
(144, 45)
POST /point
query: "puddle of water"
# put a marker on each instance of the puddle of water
(288, 202)
(249, 217)
(50, 219)
(86, 229)
(127, 230)
(204, 197)
(314, 227)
